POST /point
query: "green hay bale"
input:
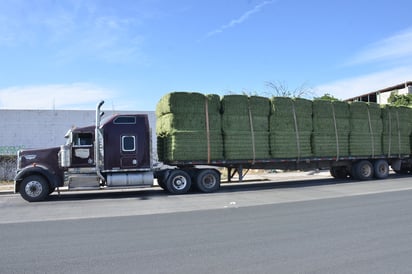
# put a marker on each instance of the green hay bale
(243, 123)
(289, 145)
(235, 105)
(395, 144)
(326, 145)
(397, 119)
(282, 117)
(325, 109)
(171, 122)
(330, 116)
(187, 103)
(259, 106)
(242, 104)
(190, 146)
(365, 144)
(365, 129)
(239, 145)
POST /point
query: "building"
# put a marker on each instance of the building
(381, 96)
(47, 128)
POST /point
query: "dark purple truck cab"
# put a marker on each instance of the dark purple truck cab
(114, 153)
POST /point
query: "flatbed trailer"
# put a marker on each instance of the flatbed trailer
(116, 153)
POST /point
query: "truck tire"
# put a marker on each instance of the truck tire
(339, 172)
(34, 188)
(381, 169)
(178, 182)
(362, 170)
(207, 180)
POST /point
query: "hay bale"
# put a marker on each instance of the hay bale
(190, 146)
(242, 145)
(290, 145)
(397, 127)
(189, 127)
(290, 127)
(331, 128)
(245, 127)
(365, 129)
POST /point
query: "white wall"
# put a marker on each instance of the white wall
(46, 128)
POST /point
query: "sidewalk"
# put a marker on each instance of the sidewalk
(6, 188)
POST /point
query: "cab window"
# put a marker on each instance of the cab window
(82, 139)
(128, 143)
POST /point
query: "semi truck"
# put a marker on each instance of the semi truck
(116, 153)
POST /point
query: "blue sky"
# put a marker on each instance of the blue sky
(69, 54)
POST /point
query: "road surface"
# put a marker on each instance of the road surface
(318, 226)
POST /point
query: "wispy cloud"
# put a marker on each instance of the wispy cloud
(59, 96)
(388, 62)
(74, 29)
(245, 16)
(391, 49)
(351, 87)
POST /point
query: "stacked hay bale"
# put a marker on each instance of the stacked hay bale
(245, 127)
(290, 127)
(365, 129)
(330, 136)
(189, 127)
(396, 130)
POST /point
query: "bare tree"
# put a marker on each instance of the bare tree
(280, 88)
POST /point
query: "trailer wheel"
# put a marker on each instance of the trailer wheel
(208, 180)
(34, 188)
(362, 170)
(178, 182)
(381, 169)
(339, 172)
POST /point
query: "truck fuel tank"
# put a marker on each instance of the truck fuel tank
(130, 179)
(65, 156)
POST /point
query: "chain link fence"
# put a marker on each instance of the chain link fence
(7, 167)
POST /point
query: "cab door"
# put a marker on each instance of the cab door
(128, 151)
(82, 150)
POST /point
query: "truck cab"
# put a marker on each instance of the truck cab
(113, 153)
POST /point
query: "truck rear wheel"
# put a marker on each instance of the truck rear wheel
(34, 188)
(381, 169)
(207, 180)
(362, 170)
(178, 182)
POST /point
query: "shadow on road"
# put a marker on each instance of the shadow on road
(148, 194)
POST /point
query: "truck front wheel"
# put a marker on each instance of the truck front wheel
(178, 182)
(34, 188)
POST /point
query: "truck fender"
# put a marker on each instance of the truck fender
(53, 179)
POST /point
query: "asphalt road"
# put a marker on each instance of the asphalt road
(302, 227)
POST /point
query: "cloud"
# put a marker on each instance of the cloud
(74, 29)
(394, 48)
(245, 16)
(351, 87)
(393, 53)
(58, 96)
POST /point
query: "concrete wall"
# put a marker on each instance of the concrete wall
(46, 128)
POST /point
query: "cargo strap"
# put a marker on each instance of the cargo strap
(390, 132)
(399, 133)
(207, 128)
(371, 133)
(296, 129)
(252, 131)
(336, 131)
(398, 129)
